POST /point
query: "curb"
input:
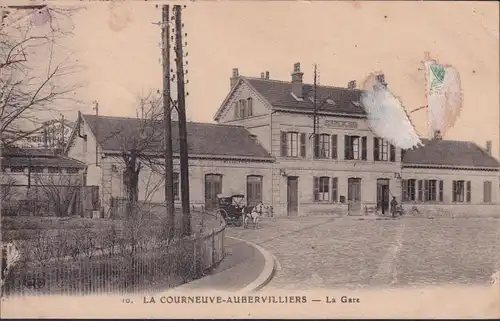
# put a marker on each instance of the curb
(267, 273)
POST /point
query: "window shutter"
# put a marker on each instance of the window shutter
(426, 190)
(420, 190)
(250, 106)
(283, 144)
(316, 188)
(363, 148)
(468, 192)
(334, 146)
(335, 193)
(236, 110)
(375, 148)
(302, 144)
(404, 189)
(440, 191)
(316, 145)
(347, 147)
(393, 153)
(454, 191)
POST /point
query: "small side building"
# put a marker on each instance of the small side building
(223, 159)
(446, 177)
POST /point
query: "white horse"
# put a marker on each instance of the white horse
(254, 215)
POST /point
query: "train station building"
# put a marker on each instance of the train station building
(262, 146)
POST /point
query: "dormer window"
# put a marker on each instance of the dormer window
(243, 108)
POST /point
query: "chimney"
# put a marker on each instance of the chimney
(381, 80)
(437, 135)
(351, 84)
(262, 76)
(297, 81)
(267, 74)
(488, 146)
(235, 77)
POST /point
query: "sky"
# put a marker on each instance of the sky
(118, 46)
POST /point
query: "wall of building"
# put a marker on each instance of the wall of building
(308, 167)
(477, 207)
(151, 188)
(85, 150)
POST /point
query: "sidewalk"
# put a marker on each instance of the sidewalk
(242, 265)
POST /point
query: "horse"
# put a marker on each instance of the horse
(254, 213)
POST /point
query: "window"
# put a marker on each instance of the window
(322, 146)
(72, 170)
(461, 191)
(335, 189)
(334, 147)
(321, 189)
(292, 144)
(243, 108)
(487, 192)
(383, 151)
(352, 147)
(17, 169)
(408, 189)
(380, 149)
(431, 189)
(54, 170)
(176, 186)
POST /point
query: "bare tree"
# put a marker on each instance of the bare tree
(33, 76)
(60, 193)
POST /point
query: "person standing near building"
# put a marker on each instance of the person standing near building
(394, 206)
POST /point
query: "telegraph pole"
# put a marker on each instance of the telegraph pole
(315, 114)
(181, 107)
(96, 108)
(167, 119)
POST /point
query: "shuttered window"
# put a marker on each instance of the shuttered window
(334, 146)
(335, 192)
(364, 148)
(302, 145)
(441, 191)
(321, 188)
(393, 153)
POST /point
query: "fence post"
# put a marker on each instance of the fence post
(213, 247)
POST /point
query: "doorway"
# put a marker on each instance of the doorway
(292, 198)
(383, 195)
(354, 194)
(254, 190)
(213, 187)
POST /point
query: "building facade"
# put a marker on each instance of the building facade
(348, 169)
(302, 149)
(344, 168)
(223, 160)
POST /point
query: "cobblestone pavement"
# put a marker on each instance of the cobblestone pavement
(323, 252)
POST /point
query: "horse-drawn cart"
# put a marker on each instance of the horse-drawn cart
(231, 209)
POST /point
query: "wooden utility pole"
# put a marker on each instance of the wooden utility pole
(181, 107)
(96, 108)
(167, 119)
(315, 114)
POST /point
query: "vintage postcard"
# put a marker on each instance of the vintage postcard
(250, 159)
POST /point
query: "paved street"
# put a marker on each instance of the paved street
(322, 252)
